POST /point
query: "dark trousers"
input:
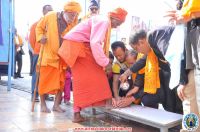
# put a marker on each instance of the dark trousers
(34, 75)
(31, 62)
(18, 62)
(150, 100)
(168, 97)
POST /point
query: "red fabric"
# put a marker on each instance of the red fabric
(90, 83)
(119, 14)
(32, 39)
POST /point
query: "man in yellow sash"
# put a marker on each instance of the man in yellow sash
(157, 69)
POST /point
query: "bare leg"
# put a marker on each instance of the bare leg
(78, 118)
(43, 105)
(56, 106)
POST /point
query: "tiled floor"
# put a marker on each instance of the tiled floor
(16, 116)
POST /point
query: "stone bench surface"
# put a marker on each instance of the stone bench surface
(146, 114)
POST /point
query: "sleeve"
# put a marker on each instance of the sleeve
(116, 68)
(97, 36)
(183, 74)
(40, 28)
(138, 65)
(139, 82)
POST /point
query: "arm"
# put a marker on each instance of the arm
(116, 85)
(41, 30)
(134, 68)
(189, 11)
(98, 32)
(183, 81)
(137, 91)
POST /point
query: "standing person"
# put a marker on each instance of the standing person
(49, 33)
(67, 87)
(93, 9)
(36, 49)
(87, 59)
(190, 15)
(30, 52)
(18, 54)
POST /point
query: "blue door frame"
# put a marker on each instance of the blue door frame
(6, 45)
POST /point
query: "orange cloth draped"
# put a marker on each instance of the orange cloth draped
(90, 83)
(51, 80)
(151, 79)
(190, 7)
(119, 14)
(106, 46)
(72, 6)
(32, 39)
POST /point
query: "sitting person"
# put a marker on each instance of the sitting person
(134, 94)
(119, 66)
(124, 59)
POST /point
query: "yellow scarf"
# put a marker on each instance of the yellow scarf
(106, 46)
(151, 79)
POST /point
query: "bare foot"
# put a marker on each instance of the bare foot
(58, 109)
(78, 118)
(45, 109)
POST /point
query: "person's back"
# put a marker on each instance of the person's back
(87, 59)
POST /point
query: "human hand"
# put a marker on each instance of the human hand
(180, 92)
(123, 78)
(43, 40)
(115, 101)
(124, 102)
(175, 17)
(108, 68)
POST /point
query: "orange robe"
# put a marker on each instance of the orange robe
(90, 83)
(52, 72)
(82, 50)
(190, 9)
(32, 39)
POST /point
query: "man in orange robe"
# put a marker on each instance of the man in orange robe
(82, 51)
(36, 50)
(49, 32)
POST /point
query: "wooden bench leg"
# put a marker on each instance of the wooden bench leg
(93, 111)
(164, 129)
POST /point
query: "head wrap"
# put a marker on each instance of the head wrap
(119, 14)
(94, 3)
(72, 6)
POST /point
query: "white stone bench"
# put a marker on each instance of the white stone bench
(153, 117)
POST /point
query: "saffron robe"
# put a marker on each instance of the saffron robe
(82, 51)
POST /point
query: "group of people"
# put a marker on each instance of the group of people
(66, 48)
